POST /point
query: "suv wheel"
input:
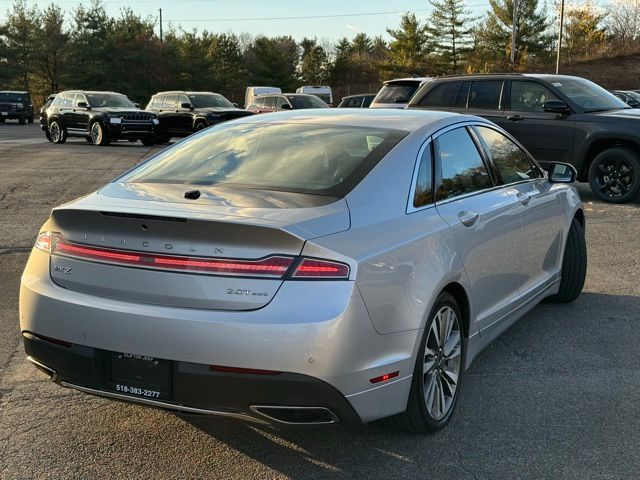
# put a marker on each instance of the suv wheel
(22, 120)
(57, 133)
(30, 119)
(614, 175)
(199, 126)
(436, 376)
(98, 135)
(148, 141)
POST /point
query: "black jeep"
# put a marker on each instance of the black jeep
(99, 117)
(16, 106)
(557, 118)
(182, 113)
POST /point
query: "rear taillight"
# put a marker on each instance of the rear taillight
(315, 268)
(43, 242)
(275, 266)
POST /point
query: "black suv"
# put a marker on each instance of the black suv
(557, 118)
(16, 106)
(99, 117)
(182, 113)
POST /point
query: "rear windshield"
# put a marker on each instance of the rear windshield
(209, 101)
(397, 92)
(12, 97)
(316, 159)
(306, 101)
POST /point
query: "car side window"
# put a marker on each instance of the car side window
(170, 102)
(68, 100)
(183, 99)
(80, 98)
(269, 102)
(366, 102)
(280, 101)
(423, 194)
(529, 96)
(156, 102)
(512, 162)
(485, 94)
(57, 101)
(462, 169)
(443, 95)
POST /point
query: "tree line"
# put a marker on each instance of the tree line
(47, 50)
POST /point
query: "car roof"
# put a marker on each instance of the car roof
(92, 91)
(408, 79)
(395, 119)
(542, 76)
(13, 91)
(360, 95)
(186, 92)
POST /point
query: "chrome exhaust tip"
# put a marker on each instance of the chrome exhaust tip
(291, 415)
(53, 375)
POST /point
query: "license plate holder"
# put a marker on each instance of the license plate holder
(139, 376)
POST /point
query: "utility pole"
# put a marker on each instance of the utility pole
(513, 33)
(560, 36)
(160, 10)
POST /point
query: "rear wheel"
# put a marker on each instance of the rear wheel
(436, 376)
(614, 175)
(98, 135)
(57, 133)
(574, 266)
(22, 120)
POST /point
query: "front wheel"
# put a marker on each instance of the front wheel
(22, 120)
(436, 376)
(614, 175)
(147, 141)
(48, 135)
(199, 126)
(98, 135)
(30, 119)
(574, 266)
(57, 133)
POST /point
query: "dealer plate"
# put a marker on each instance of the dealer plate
(139, 376)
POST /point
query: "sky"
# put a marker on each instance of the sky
(333, 20)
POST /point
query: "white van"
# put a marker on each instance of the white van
(251, 92)
(323, 93)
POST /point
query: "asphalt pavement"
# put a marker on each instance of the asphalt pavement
(557, 396)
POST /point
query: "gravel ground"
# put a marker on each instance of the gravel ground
(554, 397)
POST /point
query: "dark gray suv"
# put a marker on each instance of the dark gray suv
(557, 118)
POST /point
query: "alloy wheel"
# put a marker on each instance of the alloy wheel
(442, 361)
(614, 177)
(54, 132)
(96, 134)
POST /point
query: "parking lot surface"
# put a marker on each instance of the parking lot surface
(557, 396)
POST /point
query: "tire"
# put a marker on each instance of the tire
(30, 119)
(2, 119)
(148, 141)
(199, 126)
(57, 133)
(425, 412)
(98, 134)
(22, 120)
(574, 266)
(162, 139)
(89, 140)
(614, 175)
(48, 135)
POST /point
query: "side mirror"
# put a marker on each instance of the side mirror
(186, 105)
(235, 104)
(285, 106)
(84, 105)
(562, 173)
(135, 104)
(556, 106)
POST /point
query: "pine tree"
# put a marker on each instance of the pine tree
(493, 36)
(410, 46)
(450, 29)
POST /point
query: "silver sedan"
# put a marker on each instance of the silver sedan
(309, 267)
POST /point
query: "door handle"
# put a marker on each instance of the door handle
(515, 118)
(467, 218)
(524, 198)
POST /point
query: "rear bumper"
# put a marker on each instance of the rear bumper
(195, 388)
(318, 333)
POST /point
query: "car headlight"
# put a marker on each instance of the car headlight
(19, 107)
